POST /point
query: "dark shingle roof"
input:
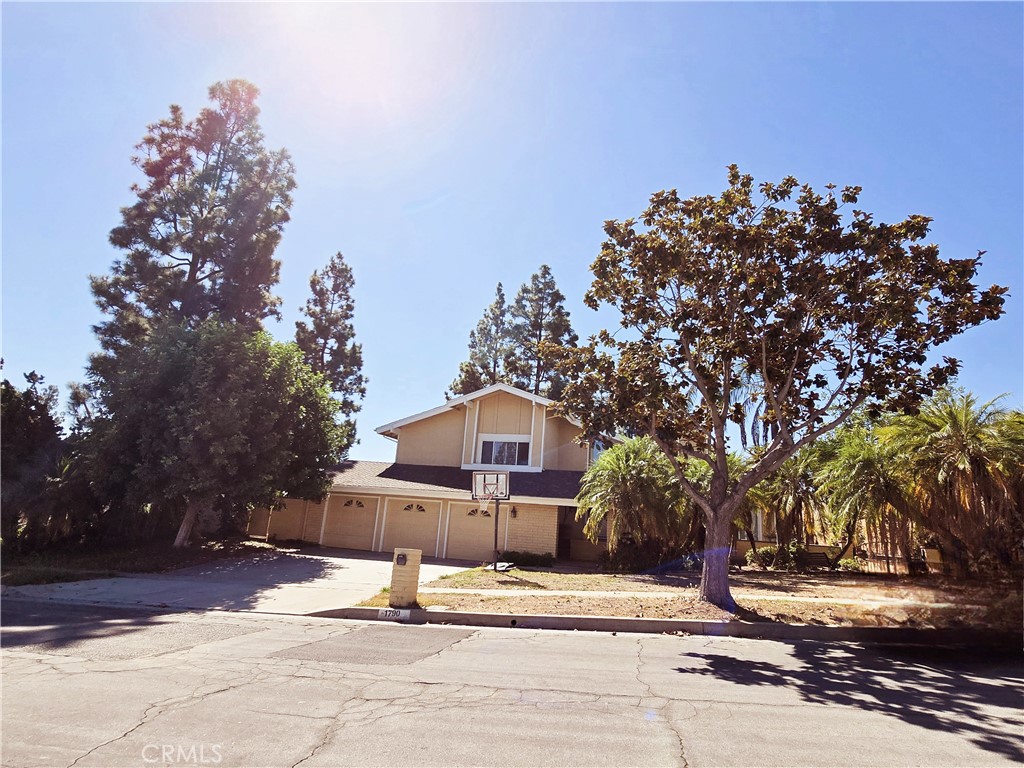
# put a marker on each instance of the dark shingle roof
(549, 484)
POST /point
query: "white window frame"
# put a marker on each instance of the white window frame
(478, 452)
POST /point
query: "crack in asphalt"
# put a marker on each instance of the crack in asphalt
(362, 708)
(664, 709)
(640, 663)
(174, 702)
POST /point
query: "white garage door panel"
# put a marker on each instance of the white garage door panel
(350, 522)
(412, 525)
(471, 533)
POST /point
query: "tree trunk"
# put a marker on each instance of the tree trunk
(850, 532)
(714, 581)
(800, 529)
(908, 554)
(188, 522)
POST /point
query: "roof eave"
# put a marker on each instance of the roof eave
(388, 430)
(453, 495)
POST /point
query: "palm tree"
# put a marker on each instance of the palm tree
(860, 482)
(632, 489)
(965, 462)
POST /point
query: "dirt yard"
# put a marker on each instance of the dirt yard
(837, 599)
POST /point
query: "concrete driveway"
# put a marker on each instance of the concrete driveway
(295, 583)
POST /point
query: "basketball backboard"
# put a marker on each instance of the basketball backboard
(490, 485)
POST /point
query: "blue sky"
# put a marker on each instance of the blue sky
(445, 148)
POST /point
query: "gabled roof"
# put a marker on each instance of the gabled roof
(388, 429)
(379, 477)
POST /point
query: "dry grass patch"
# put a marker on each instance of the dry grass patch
(761, 595)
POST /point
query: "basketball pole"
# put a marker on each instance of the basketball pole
(497, 508)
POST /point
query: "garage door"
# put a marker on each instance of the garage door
(412, 525)
(350, 522)
(471, 532)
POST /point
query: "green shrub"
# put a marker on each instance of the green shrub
(791, 557)
(632, 556)
(529, 559)
(853, 564)
(767, 553)
(797, 555)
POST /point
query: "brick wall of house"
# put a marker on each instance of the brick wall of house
(286, 522)
(533, 529)
(259, 522)
(314, 517)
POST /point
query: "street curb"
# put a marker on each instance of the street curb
(767, 631)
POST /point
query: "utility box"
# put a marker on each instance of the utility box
(405, 578)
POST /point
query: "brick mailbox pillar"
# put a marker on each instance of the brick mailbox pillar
(405, 578)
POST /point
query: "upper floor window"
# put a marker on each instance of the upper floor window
(507, 450)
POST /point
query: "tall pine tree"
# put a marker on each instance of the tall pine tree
(200, 239)
(198, 410)
(538, 316)
(490, 347)
(328, 340)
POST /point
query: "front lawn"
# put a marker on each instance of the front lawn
(820, 598)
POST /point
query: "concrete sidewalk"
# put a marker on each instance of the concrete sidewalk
(288, 583)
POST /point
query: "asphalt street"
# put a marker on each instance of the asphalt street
(103, 686)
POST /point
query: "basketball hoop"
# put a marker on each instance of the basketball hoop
(488, 486)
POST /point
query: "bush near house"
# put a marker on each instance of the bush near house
(528, 559)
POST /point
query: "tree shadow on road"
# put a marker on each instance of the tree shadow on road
(54, 626)
(955, 690)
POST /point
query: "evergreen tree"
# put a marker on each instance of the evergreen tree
(201, 236)
(539, 317)
(31, 442)
(490, 349)
(197, 411)
(215, 418)
(328, 340)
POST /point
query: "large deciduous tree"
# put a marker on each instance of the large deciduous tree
(328, 342)
(215, 418)
(200, 238)
(769, 290)
(490, 350)
(538, 321)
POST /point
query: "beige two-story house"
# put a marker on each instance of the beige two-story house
(423, 499)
